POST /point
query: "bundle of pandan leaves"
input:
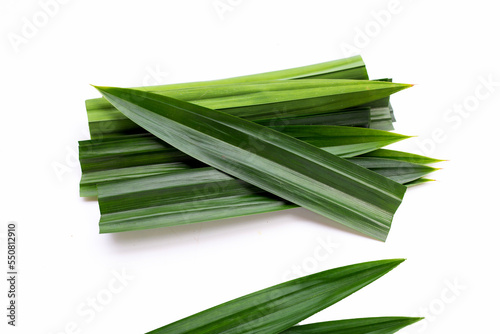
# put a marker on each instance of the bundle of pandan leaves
(308, 137)
(311, 137)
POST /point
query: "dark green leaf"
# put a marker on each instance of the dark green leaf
(278, 308)
(194, 195)
(382, 325)
(110, 159)
(282, 165)
(397, 170)
(403, 156)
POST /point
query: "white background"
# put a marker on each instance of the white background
(448, 230)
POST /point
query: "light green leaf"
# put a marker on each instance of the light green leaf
(269, 101)
(348, 68)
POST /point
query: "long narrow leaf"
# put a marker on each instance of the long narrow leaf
(278, 308)
(356, 116)
(382, 325)
(89, 180)
(192, 196)
(111, 159)
(139, 150)
(270, 160)
(348, 68)
(403, 156)
(343, 141)
(419, 181)
(260, 102)
(397, 170)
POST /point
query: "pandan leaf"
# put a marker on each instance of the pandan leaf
(278, 308)
(269, 101)
(282, 165)
(419, 181)
(403, 156)
(381, 325)
(348, 68)
(196, 195)
(122, 157)
(397, 170)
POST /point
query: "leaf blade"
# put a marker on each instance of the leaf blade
(277, 308)
(177, 200)
(380, 325)
(347, 68)
(113, 159)
(260, 102)
(355, 197)
(403, 156)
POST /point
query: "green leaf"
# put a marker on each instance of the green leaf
(419, 181)
(139, 150)
(278, 308)
(260, 102)
(403, 156)
(357, 116)
(381, 113)
(381, 325)
(193, 195)
(343, 141)
(90, 180)
(127, 151)
(282, 165)
(397, 170)
(110, 159)
(348, 68)
(381, 118)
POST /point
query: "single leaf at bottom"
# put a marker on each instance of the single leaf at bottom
(275, 309)
(381, 325)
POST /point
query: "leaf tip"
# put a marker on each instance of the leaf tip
(415, 320)
(406, 86)
(393, 263)
(397, 262)
(408, 136)
(99, 88)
